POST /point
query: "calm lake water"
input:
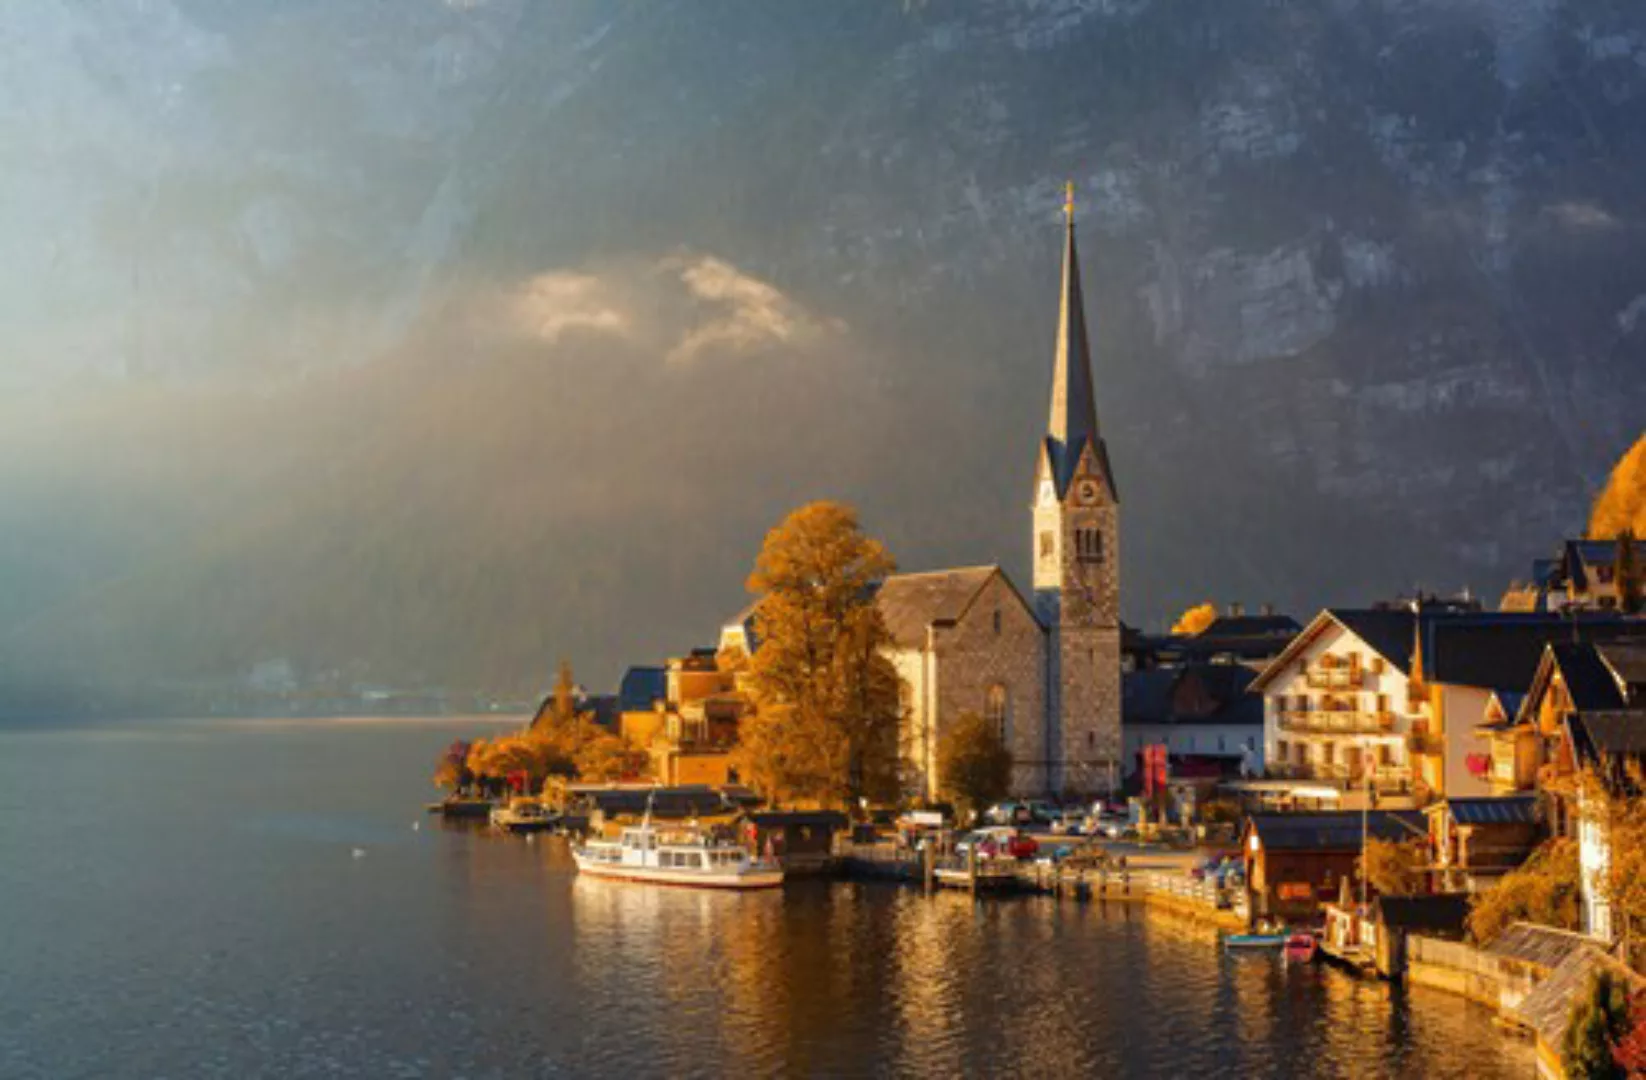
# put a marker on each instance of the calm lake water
(181, 899)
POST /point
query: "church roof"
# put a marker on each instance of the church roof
(1072, 425)
(909, 603)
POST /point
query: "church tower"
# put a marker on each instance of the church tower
(1077, 561)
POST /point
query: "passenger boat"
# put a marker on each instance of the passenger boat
(1301, 949)
(522, 817)
(648, 854)
(1254, 941)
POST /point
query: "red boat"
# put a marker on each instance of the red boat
(1301, 949)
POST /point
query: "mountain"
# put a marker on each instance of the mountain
(422, 344)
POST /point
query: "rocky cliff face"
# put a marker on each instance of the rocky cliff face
(1366, 277)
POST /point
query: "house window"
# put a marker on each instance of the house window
(1282, 749)
(1377, 665)
(1088, 545)
(1220, 745)
(994, 708)
(1047, 544)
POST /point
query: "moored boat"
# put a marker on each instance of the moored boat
(647, 854)
(1301, 949)
(522, 817)
(1254, 941)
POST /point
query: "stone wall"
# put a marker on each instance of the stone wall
(972, 656)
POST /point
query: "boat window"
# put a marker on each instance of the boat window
(693, 859)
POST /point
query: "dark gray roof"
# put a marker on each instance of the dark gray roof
(1548, 1007)
(675, 802)
(777, 819)
(1072, 423)
(1501, 650)
(1146, 697)
(1615, 733)
(641, 686)
(1627, 658)
(1389, 632)
(1491, 809)
(909, 603)
(1338, 830)
(1442, 914)
(1251, 626)
(1531, 943)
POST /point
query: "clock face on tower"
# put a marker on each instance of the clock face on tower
(1085, 492)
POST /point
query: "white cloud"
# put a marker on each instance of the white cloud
(684, 307)
(551, 304)
(744, 313)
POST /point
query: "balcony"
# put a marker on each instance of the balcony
(1334, 678)
(1385, 779)
(1336, 722)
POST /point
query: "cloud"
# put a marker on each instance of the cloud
(1583, 215)
(684, 307)
(551, 304)
(744, 313)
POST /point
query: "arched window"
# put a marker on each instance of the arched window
(994, 708)
(1088, 545)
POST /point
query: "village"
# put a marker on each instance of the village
(1435, 790)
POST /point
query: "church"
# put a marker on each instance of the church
(1044, 667)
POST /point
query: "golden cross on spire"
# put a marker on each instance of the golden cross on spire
(1068, 203)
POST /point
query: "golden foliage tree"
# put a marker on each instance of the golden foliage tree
(1547, 890)
(826, 698)
(1621, 506)
(974, 765)
(1396, 868)
(1196, 619)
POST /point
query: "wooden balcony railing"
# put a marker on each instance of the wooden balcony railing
(1336, 722)
(1334, 678)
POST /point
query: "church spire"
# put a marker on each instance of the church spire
(1073, 421)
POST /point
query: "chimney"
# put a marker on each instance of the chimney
(1268, 609)
(1236, 609)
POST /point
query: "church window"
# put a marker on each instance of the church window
(1047, 544)
(997, 620)
(1088, 545)
(994, 708)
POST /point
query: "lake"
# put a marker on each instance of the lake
(184, 899)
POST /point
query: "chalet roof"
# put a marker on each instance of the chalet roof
(1443, 913)
(641, 687)
(1588, 679)
(1542, 946)
(909, 603)
(1388, 632)
(1489, 809)
(1334, 831)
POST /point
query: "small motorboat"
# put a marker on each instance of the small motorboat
(1244, 942)
(1301, 949)
(522, 817)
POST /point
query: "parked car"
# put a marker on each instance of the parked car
(999, 840)
(1110, 825)
(1009, 813)
(1073, 821)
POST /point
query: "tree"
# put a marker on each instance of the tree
(559, 709)
(1598, 1022)
(1196, 619)
(1546, 889)
(974, 764)
(1630, 1051)
(451, 768)
(600, 755)
(826, 698)
(1621, 505)
(1395, 868)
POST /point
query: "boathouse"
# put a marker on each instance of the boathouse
(1295, 862)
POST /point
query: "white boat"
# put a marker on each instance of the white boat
(647, 853)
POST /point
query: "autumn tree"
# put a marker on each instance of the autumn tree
(1196, 619)
(1599, 1021)
(1621, 506)
(451, 769)
(1395, 867)
(603, 756)
(1546, 890)
(974, 765)
(826, 698)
